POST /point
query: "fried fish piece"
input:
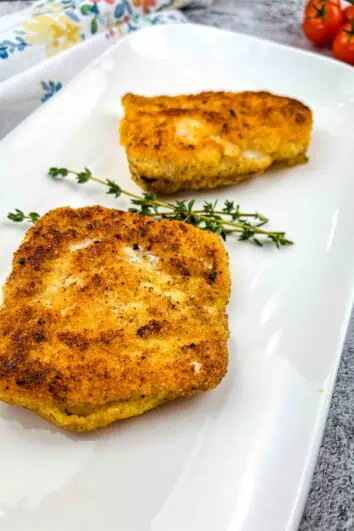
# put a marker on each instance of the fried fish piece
(211, 139)
(108, 314)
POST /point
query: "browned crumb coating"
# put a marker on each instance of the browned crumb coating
(212, 138)
(107, 314)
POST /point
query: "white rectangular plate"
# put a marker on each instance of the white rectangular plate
(242, 456)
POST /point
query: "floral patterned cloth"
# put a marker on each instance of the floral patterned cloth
(32, 67)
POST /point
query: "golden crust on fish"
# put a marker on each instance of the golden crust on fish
(212, 138)
(107, 314)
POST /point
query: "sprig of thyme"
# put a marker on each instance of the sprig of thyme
(18, 216)
(228, 220)
(225, 221)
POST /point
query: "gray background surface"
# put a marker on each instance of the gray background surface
(330, 505)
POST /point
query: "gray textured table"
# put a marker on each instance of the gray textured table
(330, 505)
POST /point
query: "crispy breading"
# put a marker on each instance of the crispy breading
(107, 314)
(211, 139)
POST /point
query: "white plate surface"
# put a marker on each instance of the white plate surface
(240, 457)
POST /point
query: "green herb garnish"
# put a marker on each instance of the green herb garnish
(224, 221)
(18, 216)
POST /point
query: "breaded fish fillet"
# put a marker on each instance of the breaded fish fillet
(211, 139)
(107, 314)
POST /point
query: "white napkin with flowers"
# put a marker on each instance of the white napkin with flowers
(43, 47)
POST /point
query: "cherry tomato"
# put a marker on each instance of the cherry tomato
(323, 19)
(348, 13)
(343, 44)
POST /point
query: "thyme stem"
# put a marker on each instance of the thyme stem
(226, 221)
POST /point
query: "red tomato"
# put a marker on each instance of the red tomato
(348, 13)
(343, 44)
(323, 19)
